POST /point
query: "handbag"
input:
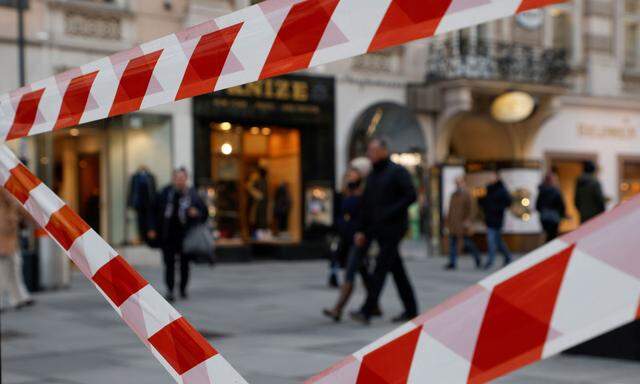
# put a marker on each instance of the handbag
(550, 216)
(198, 244)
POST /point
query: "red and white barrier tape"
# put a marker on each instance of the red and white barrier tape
(536, 307)
(268, 39)
(565, 293)
(185, 354)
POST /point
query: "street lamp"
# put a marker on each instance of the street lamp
(20, 6)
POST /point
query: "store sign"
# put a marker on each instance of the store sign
(624, 131)
(273, 89)
(285, 100)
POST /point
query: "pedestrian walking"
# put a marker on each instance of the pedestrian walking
(179, 208)
(354, 257)
(388, 193)
(550, 205)
(494, 204)
(589, 199)
(11, 278)
(460, 225)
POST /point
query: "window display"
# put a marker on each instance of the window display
(256, 186)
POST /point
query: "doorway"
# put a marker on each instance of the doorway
(89, 188)
(569, 167)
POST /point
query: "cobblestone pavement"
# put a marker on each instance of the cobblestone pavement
(264, 317)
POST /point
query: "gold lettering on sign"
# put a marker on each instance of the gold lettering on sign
(273, 89)
(624, 131)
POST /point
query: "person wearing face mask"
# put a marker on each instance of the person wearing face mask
(348, 217)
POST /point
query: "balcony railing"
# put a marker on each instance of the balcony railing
(487, 60)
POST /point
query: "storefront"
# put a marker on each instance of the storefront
(93, 168)
(606, 132)
(576, 130)
(264, 158)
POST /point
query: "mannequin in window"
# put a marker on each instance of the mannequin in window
(282, 207)
(142, 192)
(258, 201)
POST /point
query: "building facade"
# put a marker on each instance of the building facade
(577, 65)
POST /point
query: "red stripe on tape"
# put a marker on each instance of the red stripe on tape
(66, 226)
(638, 313)
(207, 62)
(75, 100)
(516, 322)
(407, 20)
(531, 4)
(21, 182)
(25, 114)
(390, 363)
(134, 83)
(182, 346)
(118, 280)
(299, 37)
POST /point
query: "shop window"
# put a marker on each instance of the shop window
(256, 191)
(629, 178)
(94, 165)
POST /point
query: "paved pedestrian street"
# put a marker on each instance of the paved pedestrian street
(265, 317)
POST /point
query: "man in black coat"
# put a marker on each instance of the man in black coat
(178, 208)
(494, 204)
(388, 194)
(589, 199)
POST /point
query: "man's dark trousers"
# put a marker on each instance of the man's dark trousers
(389, 260)
(170, 253)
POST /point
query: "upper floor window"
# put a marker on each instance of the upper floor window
(561, 27)
(631, 34)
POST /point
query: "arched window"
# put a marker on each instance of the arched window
(396, 123)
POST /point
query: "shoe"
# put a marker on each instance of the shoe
(487, 267)
(336, 317)
(506, 262)
(333, 282)
(170, 298)
(360, 317)
(403, 318)
(377, 312)
(184, 295)
(450, 267)
(26, 303)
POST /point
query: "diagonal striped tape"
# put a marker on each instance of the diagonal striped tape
(185, 354)
(268, 39)
(567, 292)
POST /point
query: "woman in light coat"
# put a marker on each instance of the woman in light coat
(11, 280)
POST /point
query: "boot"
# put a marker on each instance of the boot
(345, 294)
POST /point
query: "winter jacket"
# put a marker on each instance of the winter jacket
(164, 219)
(495, 202)
(388, 193)
(460, 213)
(550, 204)
(589, 198)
